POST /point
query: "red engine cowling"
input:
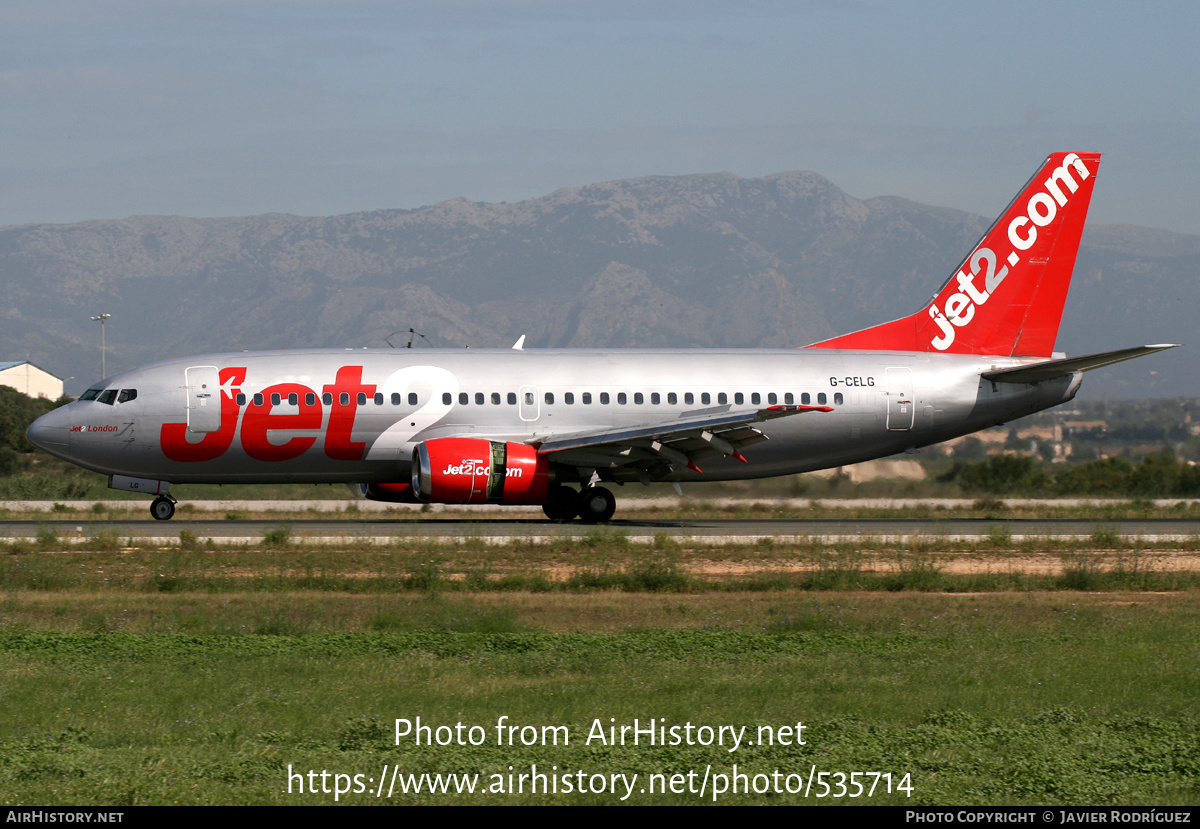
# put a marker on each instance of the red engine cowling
(477, 471)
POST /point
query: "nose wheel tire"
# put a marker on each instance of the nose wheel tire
(596, 505)
(162, 509)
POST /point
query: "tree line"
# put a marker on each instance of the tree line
(17, 411)
(1157, 475)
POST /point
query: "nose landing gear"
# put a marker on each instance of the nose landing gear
(162, 508)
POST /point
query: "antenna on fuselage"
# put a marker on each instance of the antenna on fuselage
(412, 335)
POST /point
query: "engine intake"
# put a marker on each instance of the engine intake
(478, 471)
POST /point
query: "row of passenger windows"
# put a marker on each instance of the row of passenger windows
(310, 399)
(689, 398)
(109, 396)
(568, 398)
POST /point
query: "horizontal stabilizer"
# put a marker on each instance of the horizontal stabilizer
(1058, 368)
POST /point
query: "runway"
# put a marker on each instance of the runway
(709, 531)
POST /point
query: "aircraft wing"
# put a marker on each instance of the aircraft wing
(1057, 368)
(650, 452)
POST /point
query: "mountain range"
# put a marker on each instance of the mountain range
(686, 261)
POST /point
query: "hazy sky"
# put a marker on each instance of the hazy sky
(218, 108)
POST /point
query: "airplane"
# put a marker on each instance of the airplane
(549, 426)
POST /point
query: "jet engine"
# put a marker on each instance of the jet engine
(478, 471)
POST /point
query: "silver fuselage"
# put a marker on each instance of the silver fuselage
(883, 403)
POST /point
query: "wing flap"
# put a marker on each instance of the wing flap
(656, 450)
(674, 430)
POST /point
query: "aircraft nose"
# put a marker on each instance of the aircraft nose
(52, 432)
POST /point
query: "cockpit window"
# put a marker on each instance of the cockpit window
(90, 394)
(107, 396)
(126, 395)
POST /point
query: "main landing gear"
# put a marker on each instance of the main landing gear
(595, 505)
(562, 503)
(162, 508)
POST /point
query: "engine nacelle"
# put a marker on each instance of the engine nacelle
(478, 471)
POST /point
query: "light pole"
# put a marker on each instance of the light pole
(100, 319)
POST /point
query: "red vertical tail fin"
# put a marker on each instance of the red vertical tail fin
(1007, 296)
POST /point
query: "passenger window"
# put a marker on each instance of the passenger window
(739, 398)
(639, 400)
(837, 399)
(672, 398)
(396, 398)
(412, 398)
(755, 399)
(258, 399)
(529, 398)
(821, 399)
(447, 398)
(463, 398)
(512, 399)
(126, 395)
(362, 398)
(108, 396)
(655, 399)
(310, 399)
(788, 399)
(293, 399)
(569, 398)
(705, 398)
(621, 398)
(772, 398)
(275, 399)
(495, 398)
(586, 397)
(344, 397)
(805, 399)
(604, 398)
(478, 398)
(722, 398)
(689, 398)
(241, 399)
(327, 399)
(549, 398)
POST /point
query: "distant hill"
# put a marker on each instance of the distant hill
(701, 260)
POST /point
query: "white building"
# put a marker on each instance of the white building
(28, 379)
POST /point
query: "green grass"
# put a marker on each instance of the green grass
(198, 673)
(1043, 700)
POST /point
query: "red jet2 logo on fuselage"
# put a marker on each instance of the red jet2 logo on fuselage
(1040, 210)
(259, 420)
